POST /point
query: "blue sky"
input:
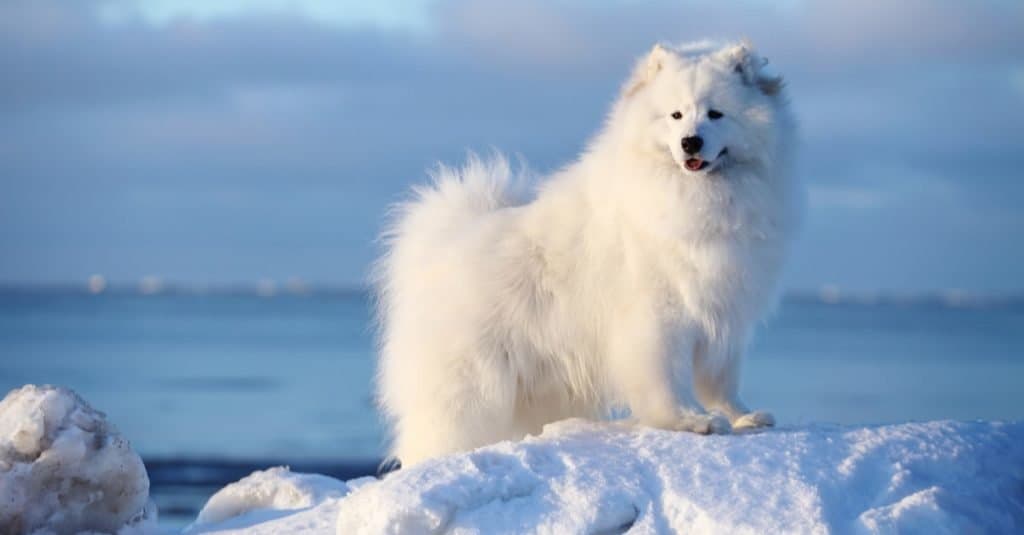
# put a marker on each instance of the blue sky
(219, 141)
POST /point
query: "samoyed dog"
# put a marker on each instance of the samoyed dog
(632, 278)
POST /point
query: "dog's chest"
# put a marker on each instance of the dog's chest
(720, 280)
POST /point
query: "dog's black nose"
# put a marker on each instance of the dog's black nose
(692, 144)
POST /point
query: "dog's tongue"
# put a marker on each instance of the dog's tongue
(694, 164)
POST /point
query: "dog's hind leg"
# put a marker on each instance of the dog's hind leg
(451, 407)
(436, 429)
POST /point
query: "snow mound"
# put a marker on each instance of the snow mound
(271, 497)
(65, 469)
(587, 477)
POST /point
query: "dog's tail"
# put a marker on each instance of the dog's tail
(452, 204)
(420, 230)
(455, 200)
(459, 196)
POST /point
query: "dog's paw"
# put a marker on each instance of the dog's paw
(754, 420)
(704, 424)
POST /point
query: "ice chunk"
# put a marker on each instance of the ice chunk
(65, 469)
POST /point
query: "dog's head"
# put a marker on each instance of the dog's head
(707, 107)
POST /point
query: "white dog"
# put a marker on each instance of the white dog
(633, 278)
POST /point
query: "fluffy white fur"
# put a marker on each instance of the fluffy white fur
(627, 280)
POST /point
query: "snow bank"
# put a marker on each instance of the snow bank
(65, 469)
(257, 502)
(586, 477)
(583, 477)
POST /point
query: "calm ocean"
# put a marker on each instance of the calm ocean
(231, 382)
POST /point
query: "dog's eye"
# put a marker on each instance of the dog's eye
(677, 115)
(714, 114)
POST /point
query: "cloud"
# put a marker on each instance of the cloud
(144, 143)
(340, 13)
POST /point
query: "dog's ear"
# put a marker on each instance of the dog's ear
(751, 67)
(646, 69)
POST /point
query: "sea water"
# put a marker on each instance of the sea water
(288, 378)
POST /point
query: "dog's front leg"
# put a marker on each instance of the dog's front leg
(641, 369)
(716, 383)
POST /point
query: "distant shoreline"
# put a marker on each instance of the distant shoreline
(825, 296)
(211, 471)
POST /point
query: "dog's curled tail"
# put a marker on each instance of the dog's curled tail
(459, 195)
(454, 200)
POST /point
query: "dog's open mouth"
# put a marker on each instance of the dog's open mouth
(699, 164)
(695, 164)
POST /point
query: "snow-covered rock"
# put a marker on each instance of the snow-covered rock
(254, 503)
(65, 469)
(584, 477)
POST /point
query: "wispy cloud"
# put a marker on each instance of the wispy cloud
(200, 143)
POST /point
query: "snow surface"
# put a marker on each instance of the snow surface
(588, 477)
(65, 469)
(266, 495)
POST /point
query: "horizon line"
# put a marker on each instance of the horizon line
(294, 286)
